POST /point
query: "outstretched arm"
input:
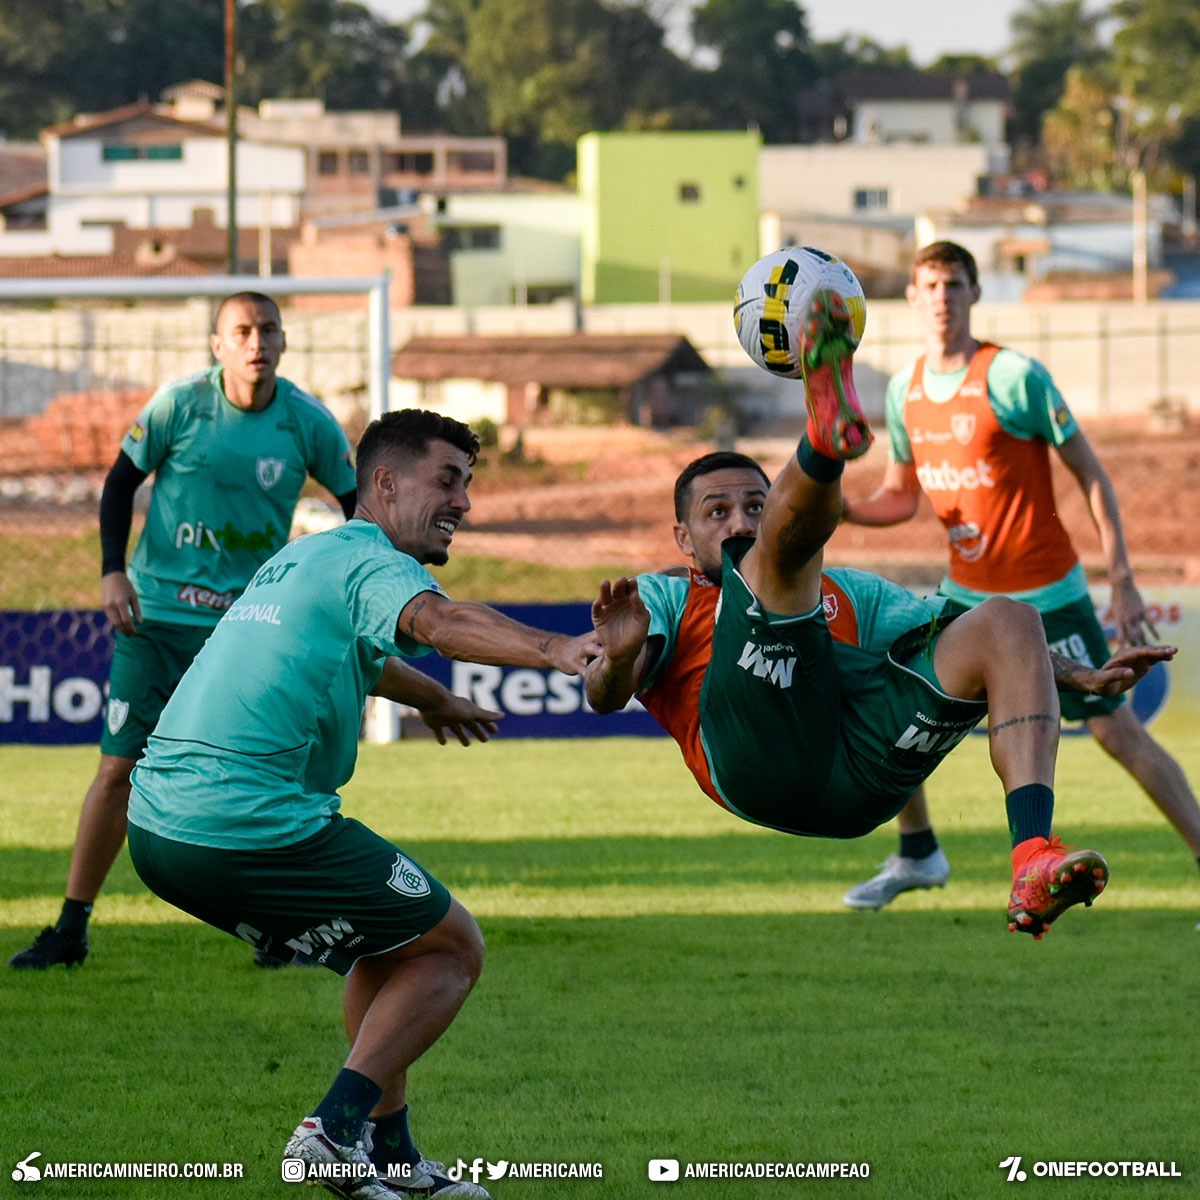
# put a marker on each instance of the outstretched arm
(472, 632)
(1119, 674)
(622, 624)
(439, 707)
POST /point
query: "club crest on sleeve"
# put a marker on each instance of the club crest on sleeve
(118, 711)
(407, 879)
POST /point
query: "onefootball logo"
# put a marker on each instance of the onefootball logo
(1015, 1174)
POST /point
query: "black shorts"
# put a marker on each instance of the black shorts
(334, 898)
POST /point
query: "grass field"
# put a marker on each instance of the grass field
(663, 981)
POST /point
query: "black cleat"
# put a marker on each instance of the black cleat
(50, 947)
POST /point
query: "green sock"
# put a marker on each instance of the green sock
(391, 1141)
(74, 917)
(1030, 809)
(347, 1105)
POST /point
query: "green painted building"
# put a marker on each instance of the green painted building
(667, 217)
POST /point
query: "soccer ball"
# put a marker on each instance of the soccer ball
(774, 296)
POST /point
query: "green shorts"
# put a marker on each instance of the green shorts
(817, 738)
(1075, 632)
(146, 669)
(334, 898)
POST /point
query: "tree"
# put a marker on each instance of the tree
(764, 62)
(1049, 38)
(336, 50)
(552, 70)
(62, 57)
(439, 92)
(1077, 134)
(1156, 63)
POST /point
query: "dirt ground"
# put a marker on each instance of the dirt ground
(615, 508)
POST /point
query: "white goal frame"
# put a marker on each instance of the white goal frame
(374, 287)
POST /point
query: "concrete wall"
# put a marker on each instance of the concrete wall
(1111, 359)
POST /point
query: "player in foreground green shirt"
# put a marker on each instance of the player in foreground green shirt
(234, 815)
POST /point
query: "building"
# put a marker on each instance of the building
(650, 379)
(667, 216)
(142, 167)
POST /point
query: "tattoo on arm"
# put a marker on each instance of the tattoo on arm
(544, 645)
(1029, 719)
(412, 620)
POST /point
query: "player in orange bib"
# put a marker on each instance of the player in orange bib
(972, 426)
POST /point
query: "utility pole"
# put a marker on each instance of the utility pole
(231, 227)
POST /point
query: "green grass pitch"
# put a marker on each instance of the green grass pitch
(663, 981)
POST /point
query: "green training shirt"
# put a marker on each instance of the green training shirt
(226, 482)
(263, 729)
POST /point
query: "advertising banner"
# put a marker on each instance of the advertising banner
(54, 672)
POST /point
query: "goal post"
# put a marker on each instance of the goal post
(375, 287)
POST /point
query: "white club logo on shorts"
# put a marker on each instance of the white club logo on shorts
(270, 472)
(118, 710)
(407, 879)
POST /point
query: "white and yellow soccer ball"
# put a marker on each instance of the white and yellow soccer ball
(773, 299)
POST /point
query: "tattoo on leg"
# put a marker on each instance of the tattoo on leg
(1029, 719)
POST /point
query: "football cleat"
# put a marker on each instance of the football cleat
(356, 1181)
(837, 427)
(899, 874)
(425, 1178)
(50, 947)
(1048, 878)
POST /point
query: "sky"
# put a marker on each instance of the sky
(929, 28)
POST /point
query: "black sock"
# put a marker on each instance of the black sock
(1198, 862)
(74, 917)
(391, 1141)
(347, 1105)
(1030, 809)
(918, 845)
(817, 465)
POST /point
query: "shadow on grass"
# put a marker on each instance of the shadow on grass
(724, 861)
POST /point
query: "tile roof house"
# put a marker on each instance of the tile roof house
(652, 379)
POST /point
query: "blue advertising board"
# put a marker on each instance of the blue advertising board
(54, 676)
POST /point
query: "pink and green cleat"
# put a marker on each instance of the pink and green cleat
(1048, 878)
(837, 427)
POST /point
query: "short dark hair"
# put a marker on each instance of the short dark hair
(706, 464)
(246, 298)
(949, 254)
(404, 435)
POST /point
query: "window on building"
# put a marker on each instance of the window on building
(689, 193)
(360, 162)
(871, 199)
(472, 162)
(128, 152)
(409, 162)
(470, 237)
(327, 162)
